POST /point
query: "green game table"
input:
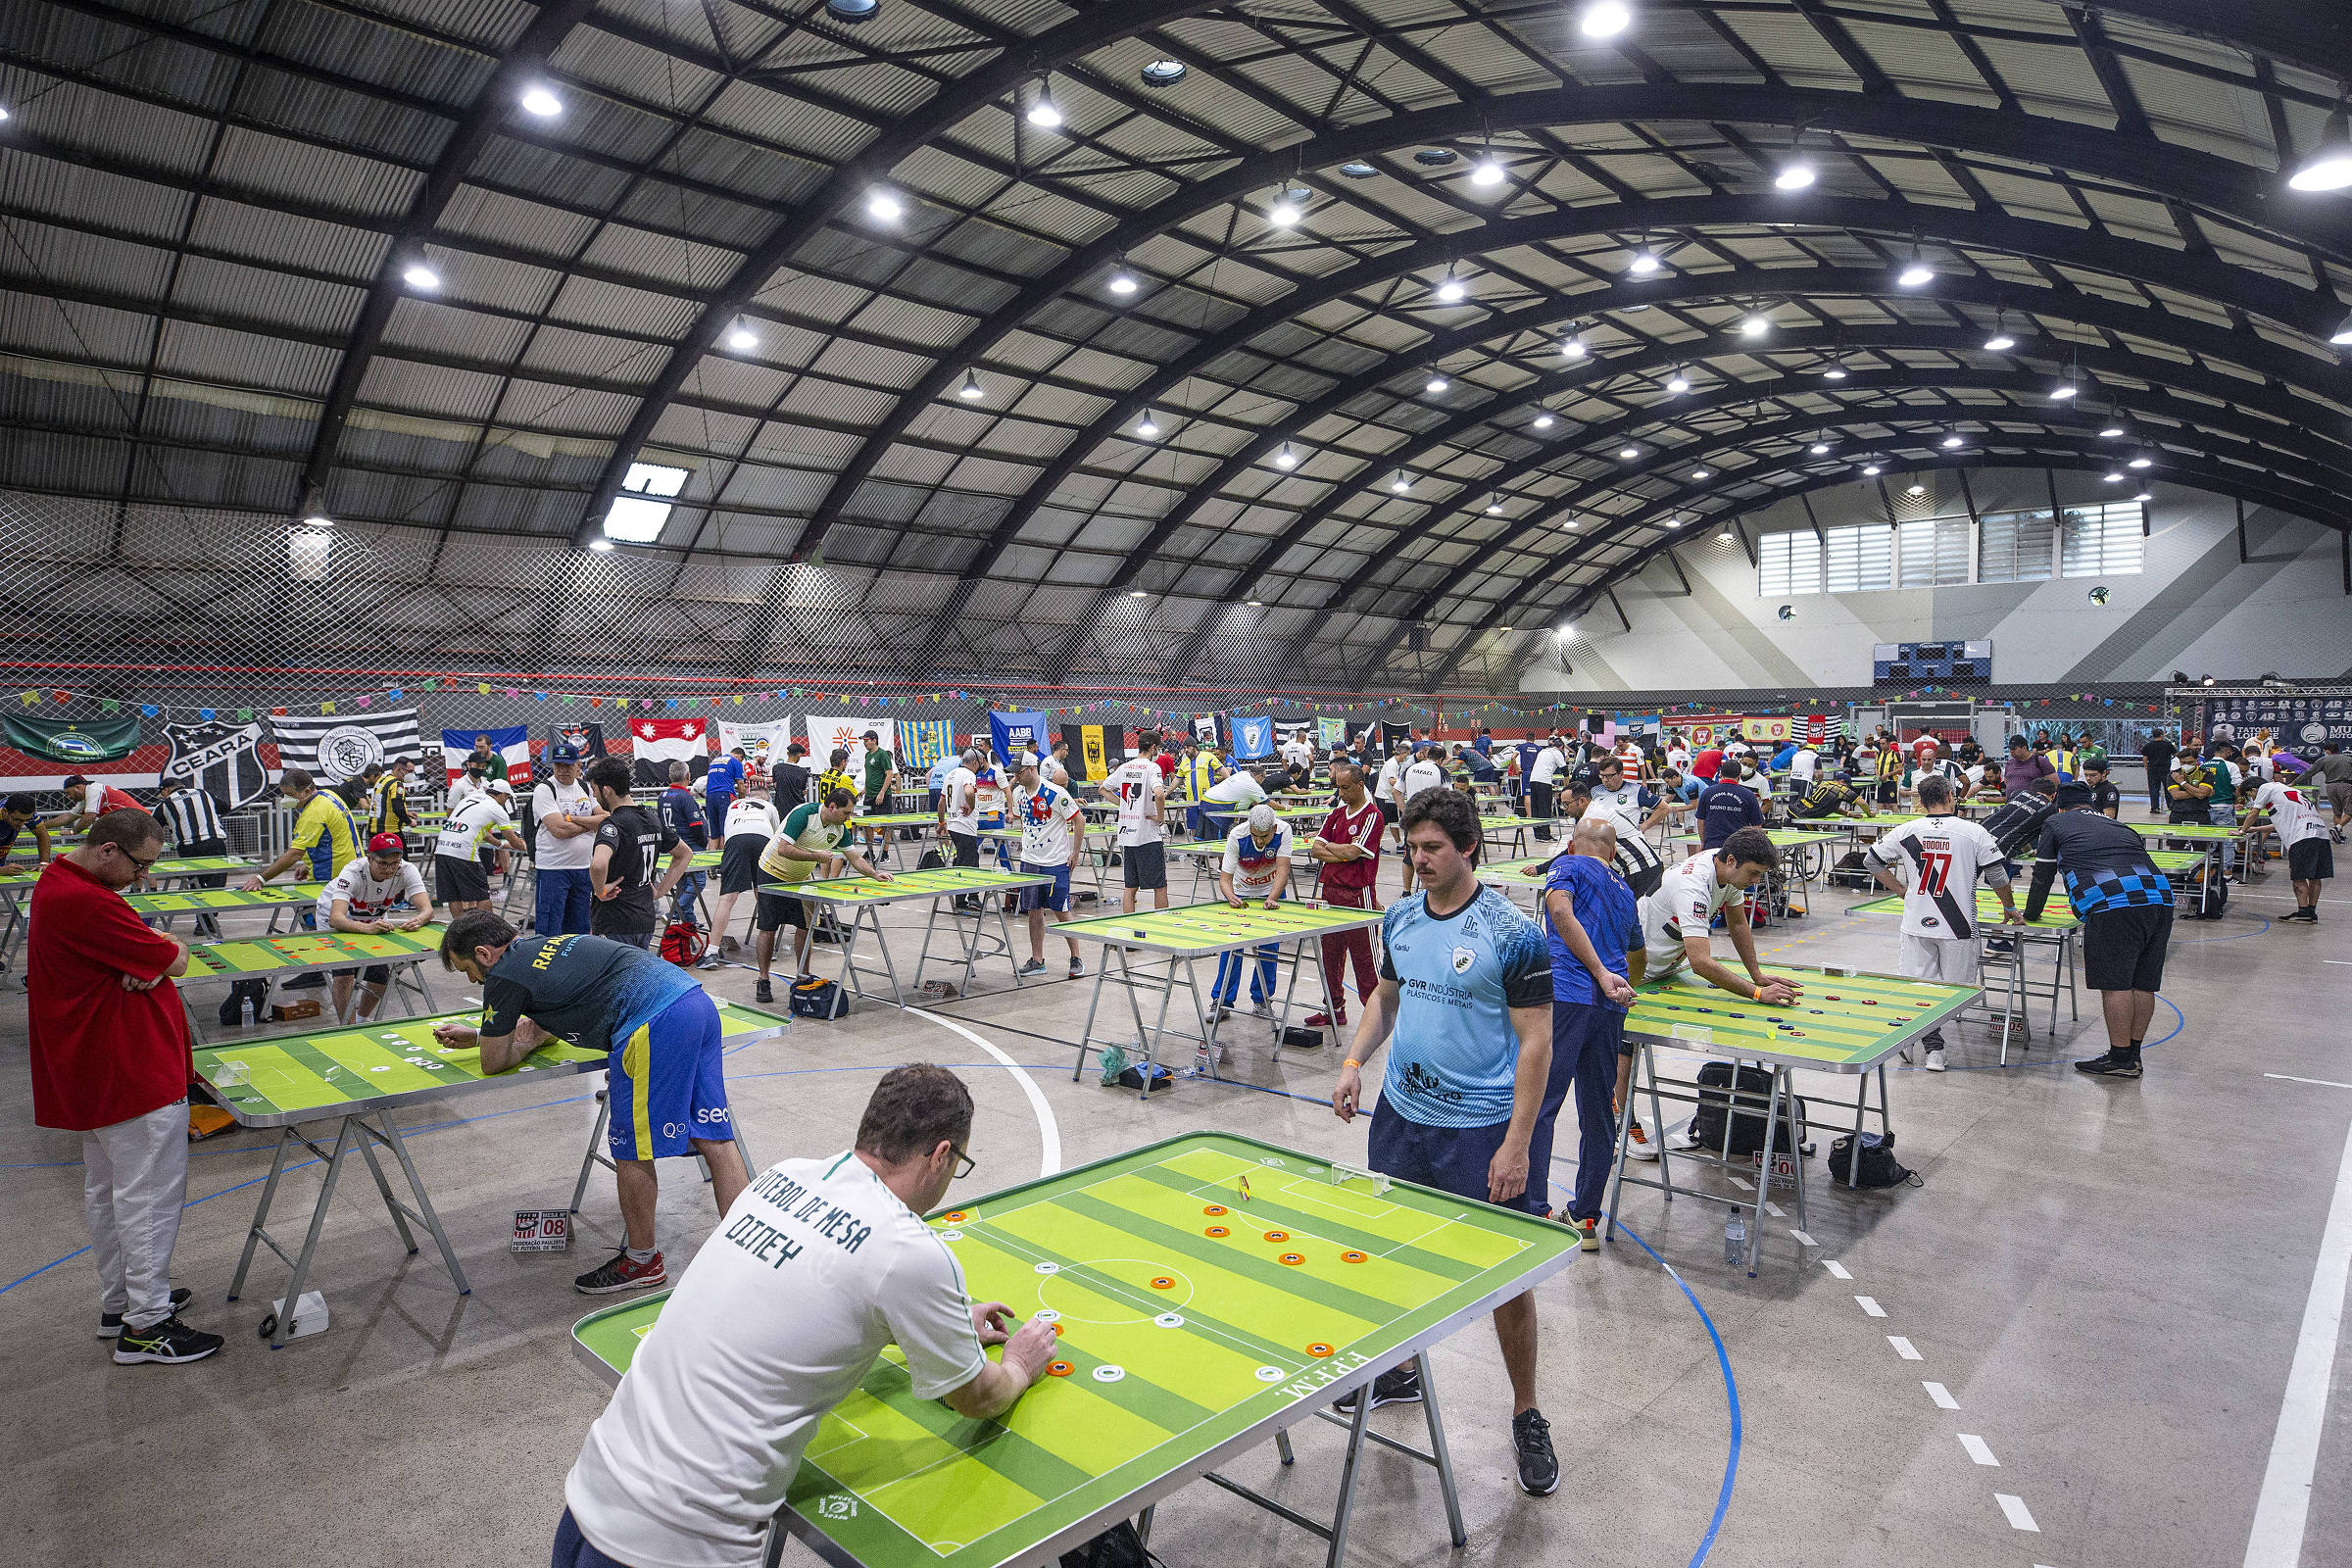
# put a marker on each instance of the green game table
(2207, 840)
(218, 900)
(1196, 1327)
(1187, 934)
(358, 1077)
(863, 899)
(1221, 819)
(1847, 1021)
(1208, 857)
(1525, 875)
(2057, 933)
(278, 958)
(1517, 828)
(1099, 843)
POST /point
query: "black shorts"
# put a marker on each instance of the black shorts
(774, 908)
(2122, 950)
(963, 848)
(2311, 861)
(739, 861)
(1388, 812)
(1644, 881)
(1146, 865)
(459, 881)
(375, 975)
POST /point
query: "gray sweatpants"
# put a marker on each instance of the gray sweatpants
(135, 1180)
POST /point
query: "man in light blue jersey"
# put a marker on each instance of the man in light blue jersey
(1465, 987)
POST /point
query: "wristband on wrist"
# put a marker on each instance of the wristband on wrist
(1352, 1062)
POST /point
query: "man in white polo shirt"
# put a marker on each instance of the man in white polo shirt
(818, 1266)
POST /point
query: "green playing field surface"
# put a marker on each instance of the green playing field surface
(219, 961)
(2185, 832)
(1216, 925)
(1187, 1316)
(1508, 825)
(2055, 915)
(854, 890)
(1844, 1020)
(1527, 872)
(207, 900)
(27, 871)
(1789, 838)
(311, 1073)
(895, 819)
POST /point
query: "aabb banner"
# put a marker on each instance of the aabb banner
(1774, 730)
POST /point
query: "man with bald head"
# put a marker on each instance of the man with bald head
(1593, 919)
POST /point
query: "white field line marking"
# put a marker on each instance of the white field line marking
(2020, 1517)
(1902, 1348)
(1742, 1184)
(1941, 1396)
(1978, 1449)
(1775, 1209)
(2290, 1078)
(2284, 1506)
(1802, 1240)
(1049, 1131)
(1836, 1268)
(1869, 1305)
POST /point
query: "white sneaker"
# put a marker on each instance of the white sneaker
(1934, 1061)
(1261, 1009)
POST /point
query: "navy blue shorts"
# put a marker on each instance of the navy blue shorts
(1452, 1159)
(1055, 897)
(575, 1550)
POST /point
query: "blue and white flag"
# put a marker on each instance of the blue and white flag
(1253, 736)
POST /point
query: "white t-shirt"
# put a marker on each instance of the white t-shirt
(369, 899)
(778, 1319)
(2296, 812)
(752, 813)
(463, 788)
(470, 824)
(1683, 905)
(1678, 757)
(1257, 869)
(1548, 763)
(1390, 770)
(1136, 785)
(1422, 775)
(961, 800)
(1802, 764)
(1300, 752)
(1048, 816)
(1240, 789)
(553, 853)
(1941, 859)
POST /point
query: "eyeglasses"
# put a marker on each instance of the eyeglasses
(965, 1164)
(141, 861)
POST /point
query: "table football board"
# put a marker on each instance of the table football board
(299, 1077)
(1796, 838)
(1216, 926)
(1845, 1019)
(1512, 824)
(1528, 871)
(193, 865)
(1187, 1316)
(856, 890)
(212, 901)
(308, 950)
(895, 819)
(2185, 832)
(2055, 915)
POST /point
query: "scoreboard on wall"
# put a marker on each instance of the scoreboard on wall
(1949, 663)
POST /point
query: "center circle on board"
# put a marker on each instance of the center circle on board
(1135, 1299)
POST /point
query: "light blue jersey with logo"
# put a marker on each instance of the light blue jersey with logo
(1454, 1054)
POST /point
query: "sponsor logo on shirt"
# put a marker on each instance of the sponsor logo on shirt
(1420, 1081)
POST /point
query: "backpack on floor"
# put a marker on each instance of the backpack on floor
(1879, 1167)
(1119, 1547)
(1850, 872)
(818, 999)
(931, 860)
(683, 942)
(2204, 892)
(1755, 1087)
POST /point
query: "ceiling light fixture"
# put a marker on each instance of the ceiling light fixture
(1450, 289)
(1678, 382)
(1400, 484)
(2140, 462)
(853, 12)
(2001, 342)
(1164, 73)
(1257, 604)
(1919, 273)
(1572, 348)
(1494, 506)
(2111, 432)
(539, 100)
(1724, 535)
(884, 205)
(1755, 324)
(1436, 385)
(2064, 390)
(1919, 490)
(1628, 454)
(600, 544)
(1286, 458)
(970, 390)
(1605, 19)
(1951, 441)
(1872, 469)
(2116, 477)
(2344, 333)
(1833, 372)
(2329, 166)
(1149, 427)
(1541, 421)
(2144, 496)
(1646, 261)
(1137, 593)
(421, 276)
(1487, 172)
(1123, 282)
(741, 338)
(1819, 448)
(1701, 473)
(1044, 113)
(1286, 210)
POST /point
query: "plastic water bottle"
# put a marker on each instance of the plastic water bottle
(1735, 1239)
(248, 1009)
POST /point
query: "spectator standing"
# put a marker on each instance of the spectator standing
(684, 816)
(1592, 919)
(751, 823)
(565, 819)
(792, 779)
(1726, 807)
(1348, 848)
(2126, 907)
(2157, 753)
(2022, 767)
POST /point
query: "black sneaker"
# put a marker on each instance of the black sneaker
(618, 1273)
(2110, 1065)
(304, 982)
(1538, 1466)
(762, 991)
(110, 1324)
(2306, 916)
(1399, 1385)
(170, 1341)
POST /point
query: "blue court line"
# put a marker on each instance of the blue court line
(2241, 937)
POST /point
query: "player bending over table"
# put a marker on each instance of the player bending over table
(1465, 987)
(751, 822)
(2310, 856)
(1593, 917)
(360, 900)
(19, 812)
(2126, 907)
(1256, 868)
(664, 1086)
(1831, 797)
(779, 1318)
(814, 842)
(1933, 861)
(1053, 839)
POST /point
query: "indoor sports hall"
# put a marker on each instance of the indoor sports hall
(1155, 784)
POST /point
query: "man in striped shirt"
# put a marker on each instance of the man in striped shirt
(192, 820)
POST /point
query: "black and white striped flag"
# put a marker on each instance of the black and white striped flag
(334, 747)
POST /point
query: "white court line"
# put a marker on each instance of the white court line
(1802, 1240)
(2020, 1517)
(2290, 1078)
(1941, 1396)
(1775, 1209)
(2284, 1506)
(1869, 1305)
(1903, 1348)
(1049, 1131)
(1836, 1268)
(1978, 1449)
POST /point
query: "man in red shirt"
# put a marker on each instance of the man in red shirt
(1348, 847)
(110, 1061)
(89, 799)
(1707, 764)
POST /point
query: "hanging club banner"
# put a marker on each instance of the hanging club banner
(1253, 736)
(512, 746)
(1774, 730)
(1011, 734)
(1331, 733)
(224, 760)
(76, 740)
(656, 743)
(922, 741)
(589, 738)
(332, 748)
(763, 744)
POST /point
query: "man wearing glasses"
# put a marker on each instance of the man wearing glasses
(821, 1265)
(666, 1083)
(110, 1061)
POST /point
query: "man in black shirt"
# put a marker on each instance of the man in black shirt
(2158, 752)
(2126, 907)
(2105, 797)
(1831, 797)
(620, 870)
(792, 780)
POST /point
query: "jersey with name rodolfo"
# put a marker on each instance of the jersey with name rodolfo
(815, 1269)
(1454, 1054)
(590, 990)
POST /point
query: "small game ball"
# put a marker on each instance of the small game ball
(1318, 1352)
(1162, 1282)
(1217, 1229)
(1293, 1258)
(1058, 1369)
(1214, 1208)
(1278, 1235)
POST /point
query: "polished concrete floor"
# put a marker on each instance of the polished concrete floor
(2104, 1280)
